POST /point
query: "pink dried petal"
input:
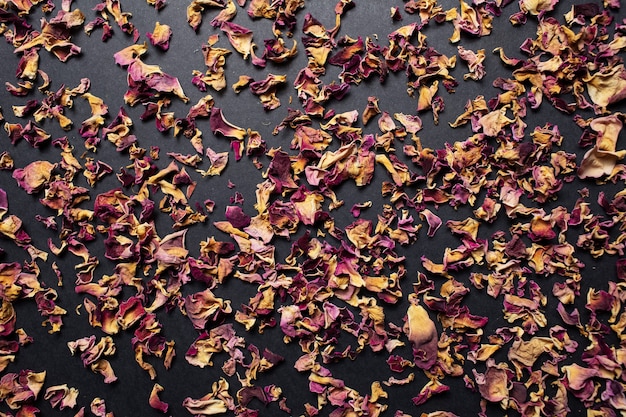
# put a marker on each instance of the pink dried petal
(155, 402)
(434, 222)
(92, 355)
(195, 9)
(216, 402)
(220, 125)
(34, 176)
(160, 36)
(204, 306)
(129, 54)
(433, 387)
(240, 37)
(494, 384)
(61, 396)
(602, 158)
(130, 312)
(607, 86)
(276, 51)
(536, 7)
(579, 380)
(474, 62)
(55, 35)
(7, 318)
(266, 90)
(422, 333)
(236, 216)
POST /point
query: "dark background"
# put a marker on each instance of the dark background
(129, 395)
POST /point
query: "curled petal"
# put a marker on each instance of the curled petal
(220, 125)
(434, 222)
(602, 158)
(240, 37)
(494, 384)
(34, 176)
(580, 380)
(607, 87)
(204, 306)
(195, 9)
(61, 396)
(160, 36)
(155, 402)
(422, 334)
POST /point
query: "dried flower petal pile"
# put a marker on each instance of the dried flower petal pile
(258, 208)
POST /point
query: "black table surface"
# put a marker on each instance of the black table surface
(237, 186)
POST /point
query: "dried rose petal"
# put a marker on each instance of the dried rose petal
(34, 176)
(160, 36)
(204, 306)
(266, 90)
(602, 158)
(607, 87)
(240, 37)
(494, 384)
(474, 62)
(220, 125)
(21, 389)
(155, 401)
(422, 334)
(55, 35)
(92, 355)
(61, 396)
